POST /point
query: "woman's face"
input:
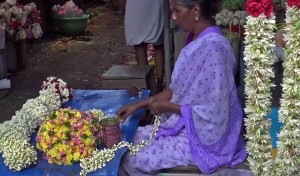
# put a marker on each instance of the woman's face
(184, 17)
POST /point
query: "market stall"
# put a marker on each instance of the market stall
(107, 100)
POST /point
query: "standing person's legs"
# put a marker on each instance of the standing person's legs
(122, 4)
(159, 56)
(141, 54)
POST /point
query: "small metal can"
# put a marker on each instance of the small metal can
(110, 133)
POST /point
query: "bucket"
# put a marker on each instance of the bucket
(110, 133)
(73, 25)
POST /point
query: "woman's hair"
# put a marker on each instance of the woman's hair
(209, 8)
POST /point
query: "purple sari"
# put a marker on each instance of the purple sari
(209, 128)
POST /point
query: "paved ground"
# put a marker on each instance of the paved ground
(79, 63)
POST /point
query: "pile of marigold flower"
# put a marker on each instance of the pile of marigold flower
(66, 136)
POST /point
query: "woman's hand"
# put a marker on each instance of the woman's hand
(125, 111)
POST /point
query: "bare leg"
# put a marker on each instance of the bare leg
(122, 4)
(141, 54)
(159, 54)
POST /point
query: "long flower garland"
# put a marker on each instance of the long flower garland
(101, 157)
(259, 59)
(15, 133)
(288, 160)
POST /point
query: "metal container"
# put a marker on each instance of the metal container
(110, 133)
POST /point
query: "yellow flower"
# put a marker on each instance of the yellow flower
(76, 156)
(58, 113)
(88, 141)
(77, 114)
(53, 153)
(69, 159)
(88, 133)
(44, 146)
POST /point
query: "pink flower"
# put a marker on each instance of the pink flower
(76, 141)
(74, 125)
(38, 139)
(81, 151)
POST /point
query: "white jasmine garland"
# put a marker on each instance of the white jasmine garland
(259, 58)
(15, 133)
(288, 160)
(101, 157)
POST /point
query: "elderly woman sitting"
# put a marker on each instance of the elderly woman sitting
(201, 116)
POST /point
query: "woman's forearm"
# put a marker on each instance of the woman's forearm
(174, 108)
(165, 95)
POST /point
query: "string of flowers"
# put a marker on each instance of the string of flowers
(288, 161)
(15, 133)
(259, 59)
(101, 157)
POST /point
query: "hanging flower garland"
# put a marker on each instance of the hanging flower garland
(15, 133)
(288, 160)
(101, 157)
(259, 59)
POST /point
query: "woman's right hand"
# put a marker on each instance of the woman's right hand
(125, 111)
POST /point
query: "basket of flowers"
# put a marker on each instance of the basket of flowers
(69, 19)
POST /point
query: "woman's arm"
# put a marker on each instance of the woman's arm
(165, 95)
(125, 111)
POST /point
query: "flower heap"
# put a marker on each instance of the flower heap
(224, 17)
(15, 133)
(20, 22)
(67, 136)
(68, 10)
(259, 59)
(61, 87)
(288, 160)
(239, 18)
(235, 20)
(101, 157)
